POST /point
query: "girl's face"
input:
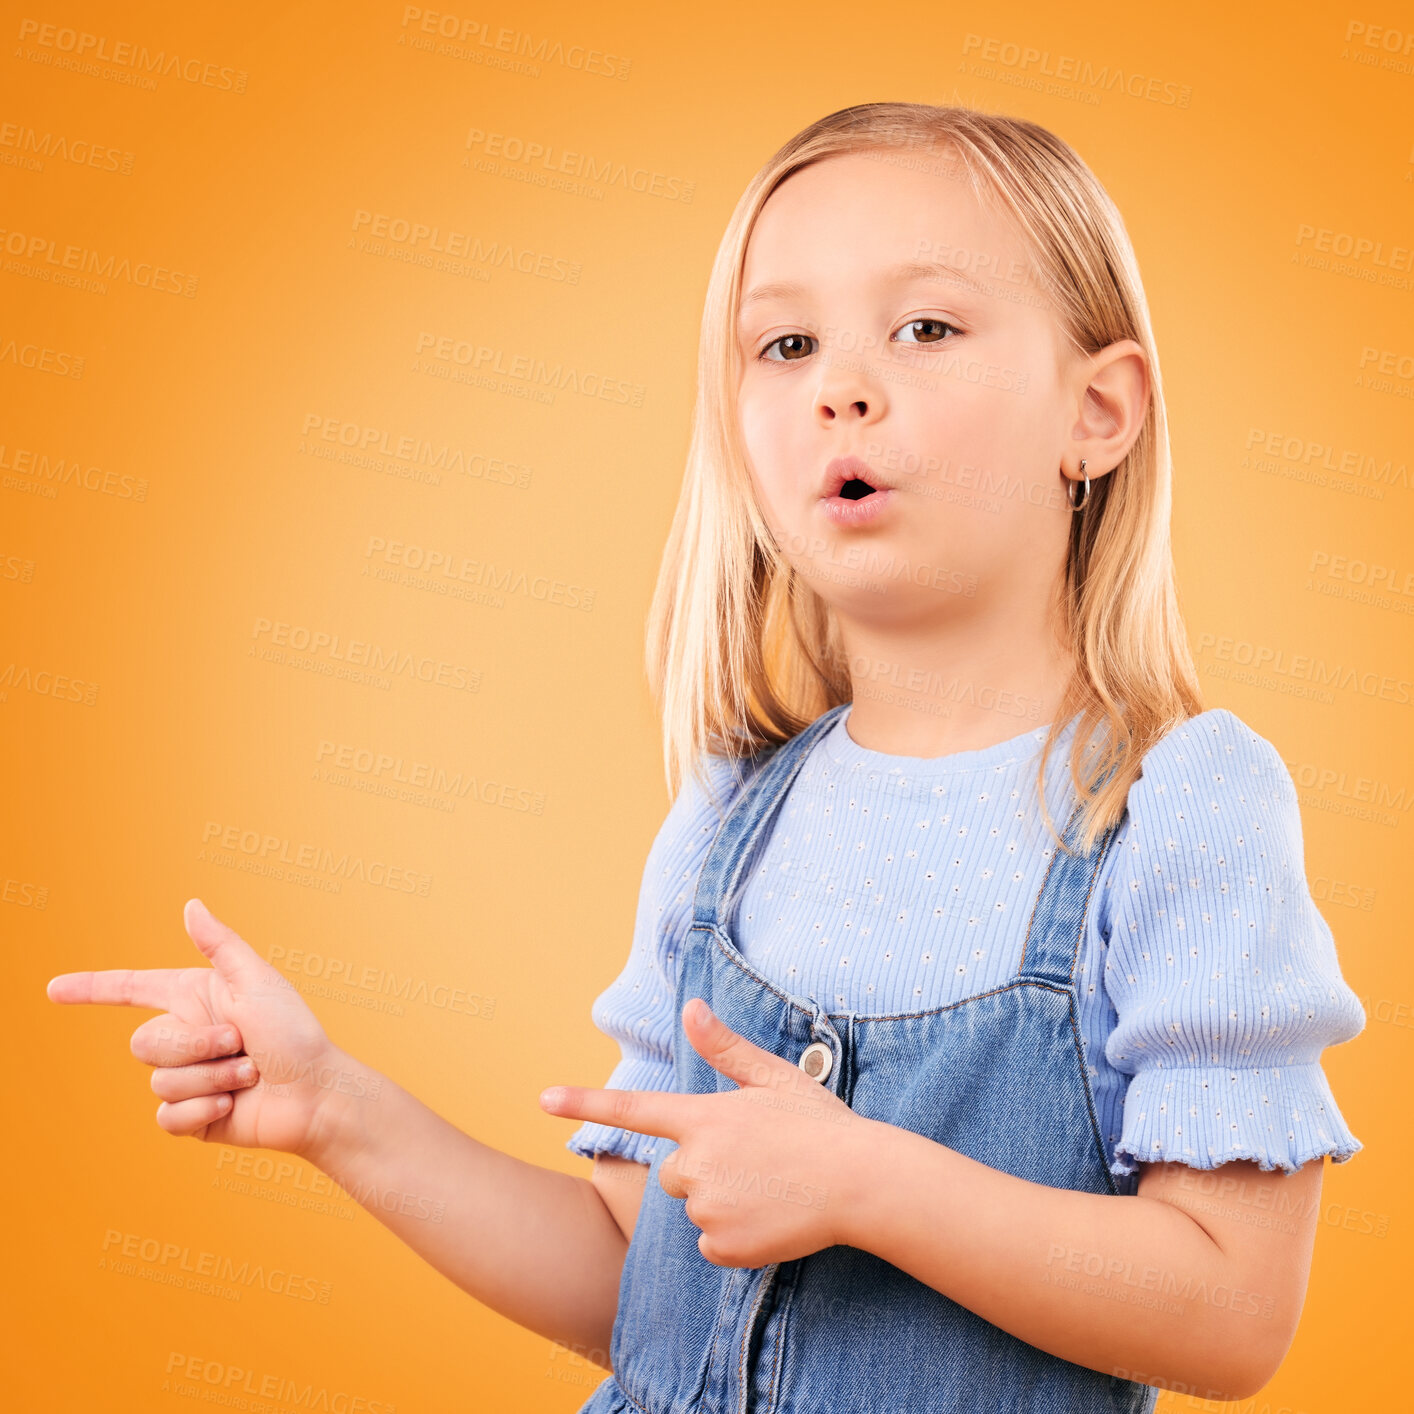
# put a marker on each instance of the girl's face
(953, 387)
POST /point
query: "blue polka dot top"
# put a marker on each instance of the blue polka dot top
(1207, 982)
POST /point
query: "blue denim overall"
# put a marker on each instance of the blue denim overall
(999, 1077)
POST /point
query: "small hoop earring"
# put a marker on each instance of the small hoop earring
(1070, 490)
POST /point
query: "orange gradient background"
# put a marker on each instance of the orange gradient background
(1265, 177)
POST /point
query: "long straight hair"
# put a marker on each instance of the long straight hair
(742, 656)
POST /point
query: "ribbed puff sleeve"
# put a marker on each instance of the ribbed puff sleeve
(636, 1009)
(1222, 971)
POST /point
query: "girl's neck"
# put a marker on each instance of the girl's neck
(938, 702)
(1016, 740)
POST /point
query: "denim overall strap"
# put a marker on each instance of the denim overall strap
(1057, 925)
(751, 811)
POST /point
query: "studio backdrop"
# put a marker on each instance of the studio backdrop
(347, 356)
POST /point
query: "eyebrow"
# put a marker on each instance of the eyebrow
(910, 270)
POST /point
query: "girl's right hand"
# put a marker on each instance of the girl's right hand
(217, 1021)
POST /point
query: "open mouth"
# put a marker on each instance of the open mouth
(848, 499)
(856, 490)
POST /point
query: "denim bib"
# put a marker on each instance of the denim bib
(999, 1077)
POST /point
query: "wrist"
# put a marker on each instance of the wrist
(864, 1157)
(342, 1124)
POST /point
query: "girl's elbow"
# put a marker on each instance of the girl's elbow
(1228, 1386)
(1252, 1366)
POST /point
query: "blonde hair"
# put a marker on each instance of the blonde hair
(741, 656)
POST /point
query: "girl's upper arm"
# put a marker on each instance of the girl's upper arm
(1264, 1222)
(620, 1183)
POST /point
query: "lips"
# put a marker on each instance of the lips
(850, 479)
(852, 495)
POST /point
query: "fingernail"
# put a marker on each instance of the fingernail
(223, 1102)
(550, 1098)
(228, 1039)
(245, 1070)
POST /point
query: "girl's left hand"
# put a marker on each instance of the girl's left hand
(770, 1170)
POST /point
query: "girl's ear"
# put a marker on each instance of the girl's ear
(1114, 400)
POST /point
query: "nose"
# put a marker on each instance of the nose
(848, 393)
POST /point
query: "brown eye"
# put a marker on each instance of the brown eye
(795, 353)
(933, 324)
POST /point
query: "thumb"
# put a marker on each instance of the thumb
(230, 954)
(730, 1052)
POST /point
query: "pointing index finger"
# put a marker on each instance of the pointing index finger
(659, 1112)
(154, 987)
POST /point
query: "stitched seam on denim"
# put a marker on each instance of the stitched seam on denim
(728, 948)
(738, 805)
(765, 814)
(750, 792)
(696, 1397)
(1094, 878)
(1079, 1041)
(642, 1409)
(772, 1386)
(1085, 909)
(718, 1322)
(733, 956)
(742, 1372)
(1095, 867)
(1040, 893)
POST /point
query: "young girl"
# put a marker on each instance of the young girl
(916, 613)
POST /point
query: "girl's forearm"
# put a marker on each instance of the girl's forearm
(538, 1246)
(1130, 1286)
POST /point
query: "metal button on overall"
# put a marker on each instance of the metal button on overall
(816, 1060)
